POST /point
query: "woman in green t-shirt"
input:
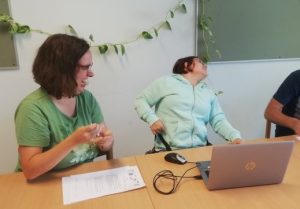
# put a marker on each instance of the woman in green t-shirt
(60, 124)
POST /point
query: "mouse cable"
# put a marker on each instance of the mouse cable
(167, 174)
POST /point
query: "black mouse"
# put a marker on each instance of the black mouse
(173, 157)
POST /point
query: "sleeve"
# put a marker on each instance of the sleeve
(31, 126)
(220, 124)
(145, 102)
(288, 89)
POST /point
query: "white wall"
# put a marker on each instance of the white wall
(118, 79)
(247, 86)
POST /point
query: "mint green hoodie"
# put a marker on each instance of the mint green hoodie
(184, 110)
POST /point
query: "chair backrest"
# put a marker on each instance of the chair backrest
(268, 129)
(109, 154)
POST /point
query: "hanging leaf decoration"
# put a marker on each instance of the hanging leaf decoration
(9, 25)
(103, 48)
(146, 35)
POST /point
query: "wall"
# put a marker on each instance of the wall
(118, 79)
(247, 86)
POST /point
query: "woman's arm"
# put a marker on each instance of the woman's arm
(35, 162)
(220, 124)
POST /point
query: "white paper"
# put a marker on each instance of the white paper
(96, 184)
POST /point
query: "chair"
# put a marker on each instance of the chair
(268, 129)
(109, 154)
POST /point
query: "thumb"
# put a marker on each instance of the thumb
(91, 127)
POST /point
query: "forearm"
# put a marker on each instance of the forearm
(34, 165)
(281, 119)
(274, 114)
(224, 129)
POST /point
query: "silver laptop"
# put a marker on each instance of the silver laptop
(244, 165)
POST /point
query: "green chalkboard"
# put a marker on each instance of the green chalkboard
(252, 29)
(8, 58)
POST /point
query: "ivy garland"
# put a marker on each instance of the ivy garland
(8, 24)
(204, 23)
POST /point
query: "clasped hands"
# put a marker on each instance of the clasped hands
(94, 133)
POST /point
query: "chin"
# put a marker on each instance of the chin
(80, 91)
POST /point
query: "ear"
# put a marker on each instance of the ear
(186, 67)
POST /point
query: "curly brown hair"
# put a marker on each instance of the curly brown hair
(54, 67)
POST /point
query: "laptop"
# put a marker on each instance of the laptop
(243, 165)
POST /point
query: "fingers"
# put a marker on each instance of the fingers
(102, 135)
(236, 141)
(157, 127)
(105, 142)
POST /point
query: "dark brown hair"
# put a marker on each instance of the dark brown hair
(179, 67)
(54, 67)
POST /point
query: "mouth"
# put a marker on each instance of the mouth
(84, 83)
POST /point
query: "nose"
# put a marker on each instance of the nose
(90, 73)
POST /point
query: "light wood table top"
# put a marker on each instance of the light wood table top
(192, 193)
(46, 191)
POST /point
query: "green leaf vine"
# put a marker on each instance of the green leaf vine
(9, 25)
(207, 34)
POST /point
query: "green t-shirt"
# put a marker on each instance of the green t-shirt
(39, 123)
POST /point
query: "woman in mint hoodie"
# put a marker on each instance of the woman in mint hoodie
(179, 107)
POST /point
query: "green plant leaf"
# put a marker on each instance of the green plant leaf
(172, 14)
(71, 30)
(210, 33)
(146, 35)
(103, 48)
(210, 19)
(116, 49)
(5, 18)
(91, 37)
(122, 49)
(168, 25)
(205, 58)
(156, 32)
(218, 53)
(219, 93)
(13, 28)
(23, 29)
(183, 8)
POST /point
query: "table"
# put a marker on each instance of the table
(46, 191)
(193, 193)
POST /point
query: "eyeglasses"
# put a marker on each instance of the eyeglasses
(85, 67)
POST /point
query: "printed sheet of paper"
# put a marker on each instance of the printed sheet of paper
(96, 184)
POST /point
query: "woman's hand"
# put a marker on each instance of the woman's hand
(86, 134)
(104, 138)
(157, 127)
(236, 141)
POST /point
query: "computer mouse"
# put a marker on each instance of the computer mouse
(173, 157)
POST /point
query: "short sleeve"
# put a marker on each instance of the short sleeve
(31, 126)
(289, 88)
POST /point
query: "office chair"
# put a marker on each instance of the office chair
(108, 153)
(268, 129)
